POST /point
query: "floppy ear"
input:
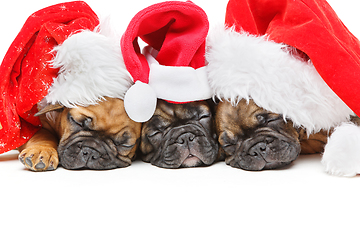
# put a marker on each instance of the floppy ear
(49, 108)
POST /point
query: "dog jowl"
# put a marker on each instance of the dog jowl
(255, 139)
(97, 137)
(180, 135)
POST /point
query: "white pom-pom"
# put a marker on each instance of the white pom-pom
(140, 102)
(342, 152)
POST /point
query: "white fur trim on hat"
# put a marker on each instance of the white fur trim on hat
(342, 152)
(242, 66)
(91, 68)
(175, 84)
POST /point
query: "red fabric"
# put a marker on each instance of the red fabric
(176, 29)
(313, 27)
(25, 72)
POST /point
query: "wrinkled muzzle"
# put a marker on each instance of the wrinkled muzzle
(92, 153)
(186, 146)
(267, 150)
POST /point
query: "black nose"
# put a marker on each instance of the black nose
(185, 138)
(259, 150)
(267, 149)
(89, 154)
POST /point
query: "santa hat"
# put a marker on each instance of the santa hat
(58, 55)
(294, 58)
(172, 65)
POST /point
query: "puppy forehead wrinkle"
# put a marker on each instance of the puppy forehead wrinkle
(81, 111)
(164, 109)
(189, 111)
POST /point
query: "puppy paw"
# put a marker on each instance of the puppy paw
(342, 152)
(39, 158)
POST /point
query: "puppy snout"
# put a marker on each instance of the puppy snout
(185, 138)
(266, 153)
(269, 150)
(89, 154)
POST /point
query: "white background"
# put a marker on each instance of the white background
(146, 202)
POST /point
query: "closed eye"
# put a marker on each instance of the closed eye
(125, 139)
(84, 123)
(227, 145)
(229, 148)
(264, 119)
(124, 145)
(128, 145)
(153, 134)
(72, 120)
(280, 117)
(205, 116)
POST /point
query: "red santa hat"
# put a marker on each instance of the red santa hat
(61, 56)
(172, 65)
(294, 58)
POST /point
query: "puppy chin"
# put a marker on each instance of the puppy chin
(191, 161)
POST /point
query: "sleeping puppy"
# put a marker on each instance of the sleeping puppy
(99, 136)
(252, 138)
(179, 135)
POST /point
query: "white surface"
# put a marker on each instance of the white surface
(146, 202)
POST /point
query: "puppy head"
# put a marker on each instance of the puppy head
(99, 136)
(255, 139)
(179, 135)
